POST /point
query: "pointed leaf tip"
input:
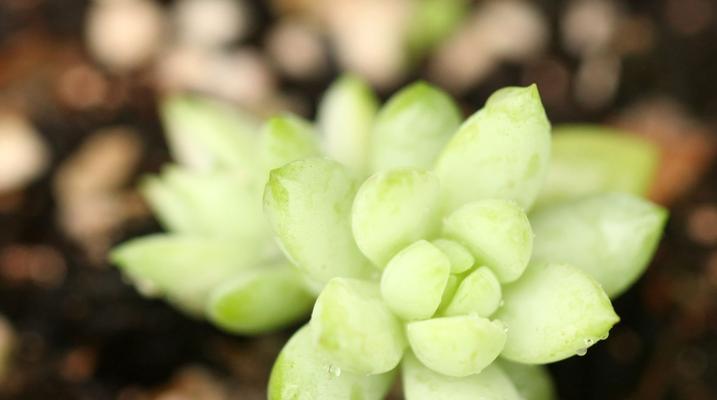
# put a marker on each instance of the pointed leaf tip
(500, 152)
(412, 127)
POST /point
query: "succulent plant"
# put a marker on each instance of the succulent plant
(459, 253)
(218, 259)
(436, 264)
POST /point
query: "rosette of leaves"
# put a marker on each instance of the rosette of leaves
(218, 259)
(436, 264)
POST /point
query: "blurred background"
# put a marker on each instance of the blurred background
(79, 85)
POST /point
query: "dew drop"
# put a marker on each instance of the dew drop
(589, 342)
(581, 351)
(334, 370)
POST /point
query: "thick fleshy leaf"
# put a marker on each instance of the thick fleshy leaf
(261, 299)
(421, 383)
(412, 128)
(394, 209)
(346, 116)
(590, 159)
(213, 203)
(286, 138)
(554, 311)
(461, 259)
(304, 372)
(532, 381)
(498, 234)
(170, 207)
(479, 293)
(205, 134)
(183, 268)
(456, 346)
(353, 325)
(308, 204)
(501, 152)
(413, 282)
(611, 237)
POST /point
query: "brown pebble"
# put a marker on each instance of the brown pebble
(40, 265)
(702, 225)
(686, 145)
(193, 383)
(78, 364)
(82, 86)
(91, 188)
(689, 17)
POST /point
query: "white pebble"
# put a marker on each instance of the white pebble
(210, 23)
(23, 153)
(124, 34)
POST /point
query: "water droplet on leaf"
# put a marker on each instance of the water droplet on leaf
(334, 370)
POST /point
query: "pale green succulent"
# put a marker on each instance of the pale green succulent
(436, 265)
(219, 259)
(414, 229)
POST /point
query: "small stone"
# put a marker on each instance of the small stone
(689, 17)
(124, 34)
(211, 23)
(243, 76)
(23, 153)
(39, 265)
(597, 81)
(589, 26)
(368, 37)
(686, 145)
(78, 364)
(702, 225)
(296, 48)
(90, 188)
(477, 47)
(193, 383)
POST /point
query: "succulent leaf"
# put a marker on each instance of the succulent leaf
(478, 293)
(352, 324)
(412, 128)
(346, 116)
(304, 372)
(611, 237)
(412, 284)
(498, 234)
(261, 299)
(532, 381)
(461, 259)
(422, 383)
(554, 311)
(590, 159)
(392, 210)
(205, 134)
(456, 346)
(286, 138)
(308, 204)
(501, 152)
(184, 268)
